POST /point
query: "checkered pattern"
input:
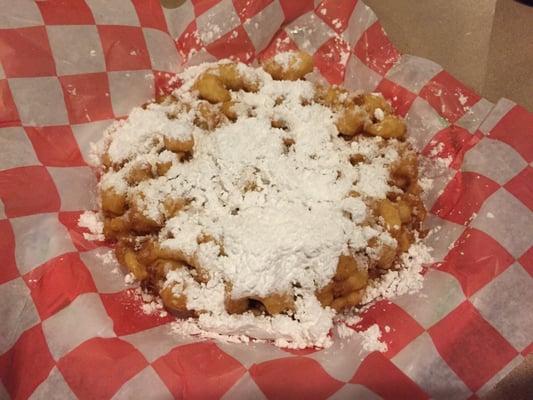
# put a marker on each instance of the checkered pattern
(71, 329)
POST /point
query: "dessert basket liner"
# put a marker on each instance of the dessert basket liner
(71, 328)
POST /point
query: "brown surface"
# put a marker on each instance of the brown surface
(172, 3)
(510, 68)
(518, 385)
(487, 44)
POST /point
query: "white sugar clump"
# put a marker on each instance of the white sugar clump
(137, 132)
(308, 327)
(93, 222)
(343, 331)
(107, 258)
(284, 59)
(371, 339)
(408, 279)
(379, 114)
(281, 213)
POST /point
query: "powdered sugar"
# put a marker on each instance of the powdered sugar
(373, 180)
(463, 99)
(279, 215)
(151, 305)
(129, 279)
(405, 280)
(284, 59)
(379, 114)
(189, 327)
(310, 325)
(351, 319)
(107, 258)
(140, 130)
(343, 331)
(93, 222)
(371, 339)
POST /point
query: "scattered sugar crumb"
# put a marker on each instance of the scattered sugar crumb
(284, 59)
(343, 331)
(406, 280)
(151, 305)
(129, 279)
(189, 327)
(116, 271)
(379, 114)
(439, 161)
(425, 183)
(337, 23)
(351, 319)
(444, 162)
(107, 258)
(93, 222)
(371, 339)
(436, 149)
(148, 308)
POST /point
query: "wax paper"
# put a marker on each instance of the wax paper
(69, 325)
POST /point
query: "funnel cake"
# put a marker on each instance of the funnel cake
(258, 202)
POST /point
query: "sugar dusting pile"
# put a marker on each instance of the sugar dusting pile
(282, 213)
(93, 223)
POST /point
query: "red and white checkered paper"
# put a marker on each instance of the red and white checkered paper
(69, 328)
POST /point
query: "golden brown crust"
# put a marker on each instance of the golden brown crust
(299, 65)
